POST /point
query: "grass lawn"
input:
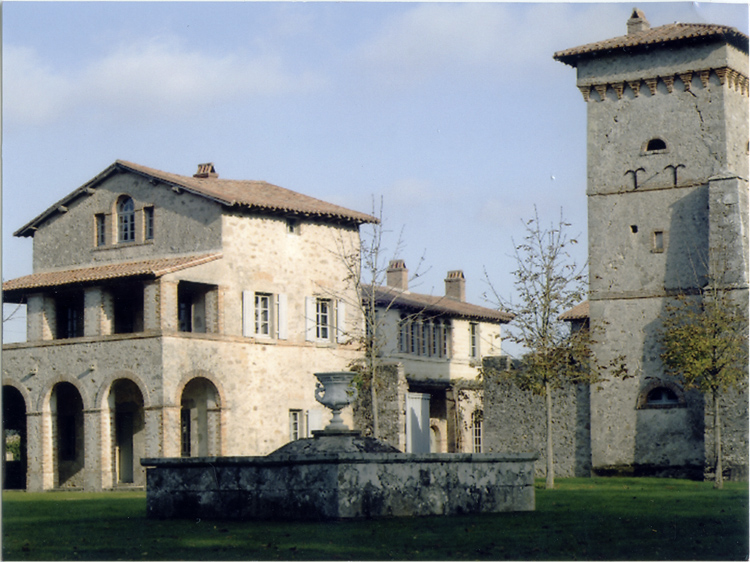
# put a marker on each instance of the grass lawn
(583, 519)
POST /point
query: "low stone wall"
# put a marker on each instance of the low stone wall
(339, 486)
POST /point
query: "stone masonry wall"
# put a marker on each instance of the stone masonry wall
(515, 422)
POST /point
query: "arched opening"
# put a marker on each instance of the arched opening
(125, 219)
(14, 438)
(661, 395)
(66, 407)
(655, 144)
(127, 415)
(435, 439)
(200, 419)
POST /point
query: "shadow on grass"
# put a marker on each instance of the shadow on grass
(591, 519)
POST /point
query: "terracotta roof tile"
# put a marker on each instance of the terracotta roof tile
(441, 305)
(250, 194)
(146, 268)
(578, 312)
(670, 33)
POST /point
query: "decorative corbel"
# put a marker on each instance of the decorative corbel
(618, 87)
(705, 75)
(586, 91)
(668, 82)
(635, 85)
(601, 89)
(687, 80)
(651, 83)
(721, 73)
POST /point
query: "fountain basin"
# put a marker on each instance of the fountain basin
(339, 476)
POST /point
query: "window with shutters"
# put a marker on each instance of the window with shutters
(264, 315)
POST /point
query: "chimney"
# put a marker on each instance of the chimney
(455, 285)
(397, 275)
(206, 171)
(637, 22)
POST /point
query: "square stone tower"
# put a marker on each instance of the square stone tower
(667, 147)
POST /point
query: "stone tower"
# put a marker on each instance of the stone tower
(667, 147)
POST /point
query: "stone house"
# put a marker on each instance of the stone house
(435, 345)
(667, 128)
(173, 315)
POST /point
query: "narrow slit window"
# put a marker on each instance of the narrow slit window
(658, 241)
(148, 223)
(101, 229)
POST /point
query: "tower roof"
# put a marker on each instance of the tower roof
(641, 37)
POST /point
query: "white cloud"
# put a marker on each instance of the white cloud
(148, 79)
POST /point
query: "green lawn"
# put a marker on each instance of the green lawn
(583, 519)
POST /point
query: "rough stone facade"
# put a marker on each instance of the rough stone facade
(667, 198)
(515, 420)
(174, 316)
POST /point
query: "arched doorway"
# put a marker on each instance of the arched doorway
(66, 407)
(128, 438)
(200, 419)
(14, 438)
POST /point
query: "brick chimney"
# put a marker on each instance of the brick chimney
(206, 170)
(637, 22)
(397, 275)
(455, 285)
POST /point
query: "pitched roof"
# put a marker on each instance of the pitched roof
(672, 34)
(246, 194)
(442, 305)
(15, 288)
(578, 312)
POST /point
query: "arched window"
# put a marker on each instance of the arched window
(661, 395)
(655, 145)
(126, 219)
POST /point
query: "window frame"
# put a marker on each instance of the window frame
(125, 220)
(148, 223)
(100, 230)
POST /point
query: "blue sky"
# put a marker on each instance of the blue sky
(456, 114)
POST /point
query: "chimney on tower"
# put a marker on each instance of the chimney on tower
(637, 22)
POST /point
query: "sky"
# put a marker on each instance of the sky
(455, 114)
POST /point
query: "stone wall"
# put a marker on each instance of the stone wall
(515, 421)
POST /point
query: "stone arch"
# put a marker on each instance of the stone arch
(102, 394)
(200, 401)
(643, 402)
(15, 432)
(43, 403)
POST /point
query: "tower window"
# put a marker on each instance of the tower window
(655, 145)
(657, 241)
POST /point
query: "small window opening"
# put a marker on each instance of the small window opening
(656, 144)
(634, 228)
(658, 241)
(292, 226)
(661, 396)
(101, 229)
(148, 223)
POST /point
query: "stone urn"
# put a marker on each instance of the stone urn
(336, 391)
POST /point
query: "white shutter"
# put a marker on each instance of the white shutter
(248, 314)
(310, 318)
(314, 421)
(340, 321)
(282, 319)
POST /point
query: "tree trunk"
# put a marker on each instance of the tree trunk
(550, 459)
(374, 400)
(719, 478)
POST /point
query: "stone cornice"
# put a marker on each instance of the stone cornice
(730, 77)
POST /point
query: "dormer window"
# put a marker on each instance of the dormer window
(655, 146)
(126, 219)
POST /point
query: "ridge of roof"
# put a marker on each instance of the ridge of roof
(669, 33)
(252, 194)
(116, 270)
(437, 304)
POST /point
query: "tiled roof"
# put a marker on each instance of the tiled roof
(249, 194)
(442, 305)
(642, 40)
(146, 268)
(578, 312)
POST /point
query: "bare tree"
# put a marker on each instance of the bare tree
(548, 282)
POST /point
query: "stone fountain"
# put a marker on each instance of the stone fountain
(338, 474)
